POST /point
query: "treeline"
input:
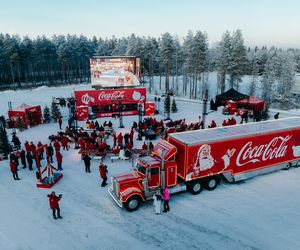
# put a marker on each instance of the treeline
(26, 62)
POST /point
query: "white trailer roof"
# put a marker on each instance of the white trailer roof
(235, 131)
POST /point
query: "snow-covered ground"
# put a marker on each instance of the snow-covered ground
(260, 213)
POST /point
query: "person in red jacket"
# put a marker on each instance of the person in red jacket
(53, 202)
(120, 139)
(103, 174)
(56, 145)
(60, 122)
(27, 146)
(32, 148)
(144, 147)
(128, 146)
(213, 124)
(233, 121)
(131, 136)
(115, 139)
(59, 160)
(82, 143)
(14, 169)
(40, 150)
(224, 123)
(64, 143)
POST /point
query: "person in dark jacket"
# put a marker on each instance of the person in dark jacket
(16, 141)
(126, 138)
(151, 146)
(87, 163)
(53, 202)
(50, 152)
(23, 158)
(14, 169)
(29, 158)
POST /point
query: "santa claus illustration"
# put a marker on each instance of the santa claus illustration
(204, 158)
(204, 161)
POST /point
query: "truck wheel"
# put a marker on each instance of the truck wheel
(195, 187)
(211, 183)
(133, 203)
(297, 165)
(288, 166)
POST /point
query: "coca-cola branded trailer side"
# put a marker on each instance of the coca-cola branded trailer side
(236, 152)
(196, 159)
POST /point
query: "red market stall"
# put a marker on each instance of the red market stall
(230, 108)
(110, 102)
(252, 103)
(30, 115)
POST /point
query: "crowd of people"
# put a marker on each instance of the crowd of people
(95, 137)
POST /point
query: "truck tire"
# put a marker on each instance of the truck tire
(195, 187)
(297, 165)
(211, 183)
(288, 166)
(133, 203)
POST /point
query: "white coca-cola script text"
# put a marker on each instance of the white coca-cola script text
(250, 153)
(111, 96)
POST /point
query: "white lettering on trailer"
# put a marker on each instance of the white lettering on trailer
(276, 148)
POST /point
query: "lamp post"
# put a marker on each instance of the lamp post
(204, 108)
(120, 107)
(140, 110)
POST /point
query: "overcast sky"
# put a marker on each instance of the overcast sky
(263, 22)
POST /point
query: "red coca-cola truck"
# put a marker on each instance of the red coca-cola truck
(199, 159)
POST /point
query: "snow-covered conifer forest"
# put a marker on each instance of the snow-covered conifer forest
(184, 66)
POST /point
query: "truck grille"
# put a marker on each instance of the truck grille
(116, 188)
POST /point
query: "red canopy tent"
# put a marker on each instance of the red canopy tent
(30, 115)
(253, 103)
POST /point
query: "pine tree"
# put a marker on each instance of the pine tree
(167, 105)
(238, 59)
(4, 144)
(223, 55)
(46, 114)
(265, 113)
(55, 111)
(174, 106)
(167, 49)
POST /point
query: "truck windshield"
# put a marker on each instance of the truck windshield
(141, 169)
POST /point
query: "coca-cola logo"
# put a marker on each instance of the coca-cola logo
(86, 99)
(276, 148)
(111, 96)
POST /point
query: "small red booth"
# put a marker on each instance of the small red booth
(252, 103)
(30, 115)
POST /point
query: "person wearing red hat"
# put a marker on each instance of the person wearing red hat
(53, 202)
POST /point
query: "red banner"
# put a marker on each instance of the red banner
(82, 113)
(109, 96)
(150, 109)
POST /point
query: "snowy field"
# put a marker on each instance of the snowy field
(260, 213)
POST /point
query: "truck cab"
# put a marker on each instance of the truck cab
(151, 173)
